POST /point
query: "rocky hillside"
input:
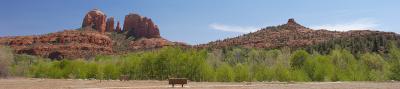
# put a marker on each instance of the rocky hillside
(70, 43)
(294, 35)
(97, 36)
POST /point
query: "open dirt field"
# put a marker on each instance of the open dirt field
(29, 83)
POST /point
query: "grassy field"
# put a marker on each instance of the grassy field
(33, 83)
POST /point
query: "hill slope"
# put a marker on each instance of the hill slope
(294, 35)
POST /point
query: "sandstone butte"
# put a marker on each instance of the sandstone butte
(139, 26)
(95, 19)
(88, 43)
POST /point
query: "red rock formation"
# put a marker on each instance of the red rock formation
(149, 43)
(110, 24)
(96, 19)
(291, 35)
(293, 25)
(66, 44)
(139, 26)
(118, 28)
(87, 43)
(292, 22)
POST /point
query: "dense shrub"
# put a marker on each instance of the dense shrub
(225, 73)
(242, 72)
(319, 68)
(298, 58)
(222, 65)
(6, 58)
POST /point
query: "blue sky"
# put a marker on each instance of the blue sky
(201, 21)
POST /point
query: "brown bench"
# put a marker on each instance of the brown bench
(123, 78)
(174, 81)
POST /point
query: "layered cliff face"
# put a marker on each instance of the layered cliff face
(139, 27)
(96, 20)
(293, 35)
(65, 44)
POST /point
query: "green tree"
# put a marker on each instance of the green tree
(319, 68)
(225, 73)
(6, 58)
(242, 72)
(298, 58)
(262, 73)
(378, 67)
(394, 60)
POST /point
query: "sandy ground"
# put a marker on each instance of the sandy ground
(30, 83)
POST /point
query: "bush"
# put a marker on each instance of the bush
(347, 67)
(262, 73)
(394, 60)
(6, 58)
(298, 58)
(242, 72)
(22, 65)
(319, 68)
(299, 75)
(378, 67)
(225, 73)
(280, 73)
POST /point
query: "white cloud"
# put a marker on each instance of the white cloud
(360, 24)
(228, 28)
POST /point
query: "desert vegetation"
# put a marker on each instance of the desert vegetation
(232, 64)
(6, 58)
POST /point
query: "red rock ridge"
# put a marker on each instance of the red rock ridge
(66, 44)
(291, 35)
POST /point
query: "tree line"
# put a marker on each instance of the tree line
(233, 64)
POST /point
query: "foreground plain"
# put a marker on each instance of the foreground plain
(32, 83)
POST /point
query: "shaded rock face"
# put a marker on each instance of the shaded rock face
(96, 19)
(139, 27)
(118, 28)
(110, 24)
(66, 44)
